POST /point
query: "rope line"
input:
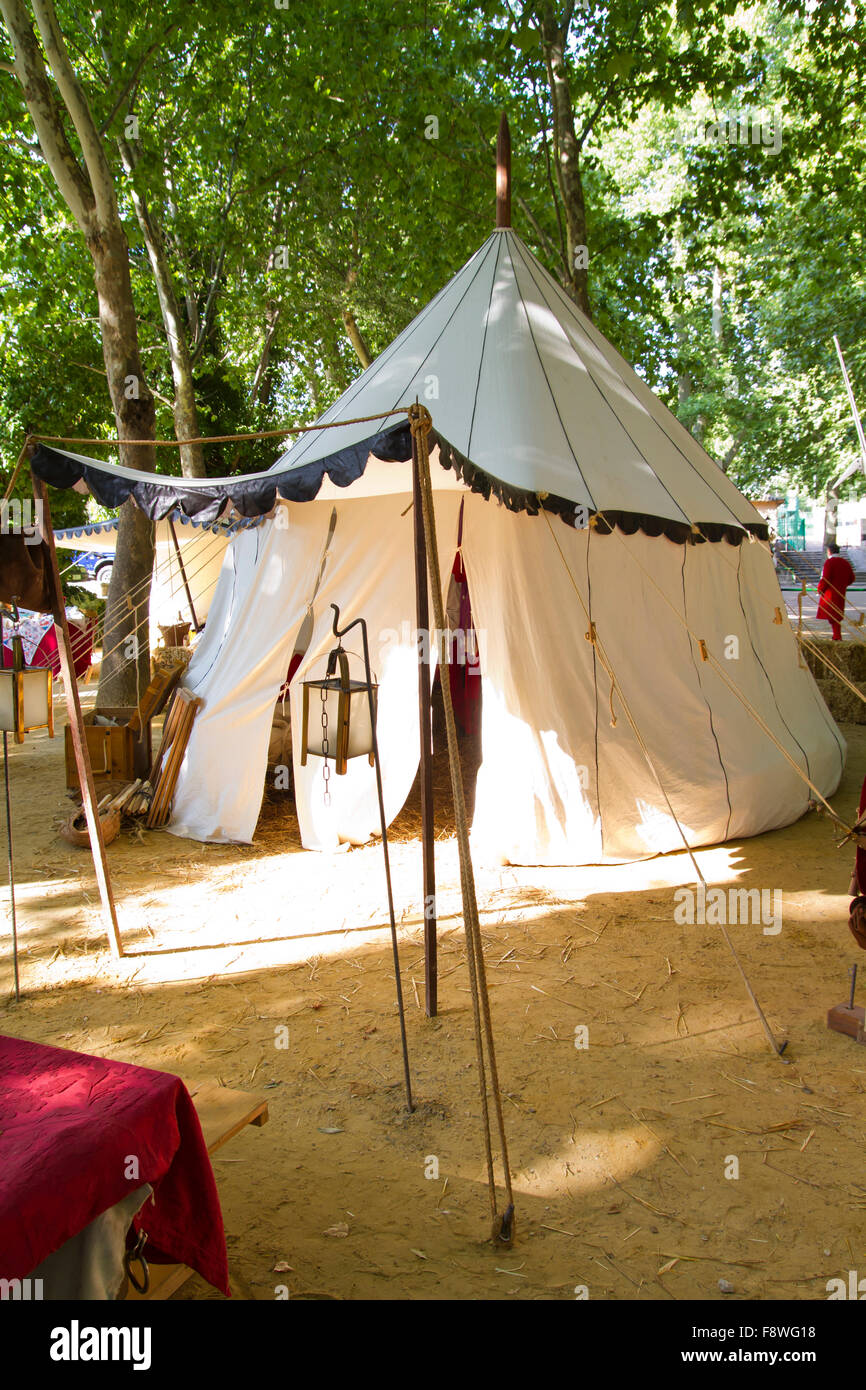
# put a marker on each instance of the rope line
(214, 438)
(137, 603)
(803, 642)
(816, 651)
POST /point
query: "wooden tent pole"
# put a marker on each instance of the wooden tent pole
(195, 622)
(503, 174)
(425, 719)
(76, 726)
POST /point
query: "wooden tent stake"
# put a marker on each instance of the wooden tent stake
(76, 726)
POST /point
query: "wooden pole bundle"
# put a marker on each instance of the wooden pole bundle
(503, 1223)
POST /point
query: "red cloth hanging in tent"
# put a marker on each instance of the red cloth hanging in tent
(465, 668)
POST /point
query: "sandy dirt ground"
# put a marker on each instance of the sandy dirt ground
(621, 1151)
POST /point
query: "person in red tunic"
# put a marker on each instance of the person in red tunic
(836, 575)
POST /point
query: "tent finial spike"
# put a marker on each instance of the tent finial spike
(503, 174)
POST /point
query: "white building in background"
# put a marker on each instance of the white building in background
(801, 519)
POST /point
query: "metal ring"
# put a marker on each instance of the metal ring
(137, 1253)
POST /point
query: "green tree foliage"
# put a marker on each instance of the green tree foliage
(317, 172)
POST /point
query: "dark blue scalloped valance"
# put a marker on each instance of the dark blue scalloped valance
(250, 495)
(254, 495)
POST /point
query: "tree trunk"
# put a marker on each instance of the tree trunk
(184, 407)
(356, 338)
(86, 184)
(125, 670)
(566, 147)
(260, 390)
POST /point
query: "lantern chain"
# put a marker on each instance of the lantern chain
(326, 747)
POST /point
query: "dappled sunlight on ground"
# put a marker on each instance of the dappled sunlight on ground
(619, 1145)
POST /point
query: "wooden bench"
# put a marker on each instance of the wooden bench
(223, 1113)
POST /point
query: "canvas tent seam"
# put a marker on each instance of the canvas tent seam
(746, 703)
(550, 392)
(816, 694)
(400, 341)
(517, 499)
(601, 394)
(595, 699)
(592, 331)
(805, 774)
(499, 245)
(448, 321)
(766, 674)
(591, 375)
(363, 382)
(822, 707)
(757, 528)
(708, 705)
(689, 848)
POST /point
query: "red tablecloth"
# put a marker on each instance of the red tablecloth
(69, 1123)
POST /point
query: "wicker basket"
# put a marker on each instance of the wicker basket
(163, 658)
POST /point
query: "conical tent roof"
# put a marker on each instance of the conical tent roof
(529, 402)
(526, 390)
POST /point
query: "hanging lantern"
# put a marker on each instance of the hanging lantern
(339, 727)
(25, 695)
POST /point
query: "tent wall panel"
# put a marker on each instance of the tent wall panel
(370, 574)
(270, 578)
(558, 784)
(267, 578)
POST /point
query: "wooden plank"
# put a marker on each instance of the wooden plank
(169, 730)
(224, 1112)
(164, 787)
(164, 1281)
(156, 696)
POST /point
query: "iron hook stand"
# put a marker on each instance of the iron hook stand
(340, 634)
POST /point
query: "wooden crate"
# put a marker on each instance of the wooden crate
(116, 753)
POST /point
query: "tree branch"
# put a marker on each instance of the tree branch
(605, 96)
(136, 73)
(72, 94)
(554, 187)
(46, 114)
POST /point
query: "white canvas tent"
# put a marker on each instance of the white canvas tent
(588, 510)
(532, 400)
